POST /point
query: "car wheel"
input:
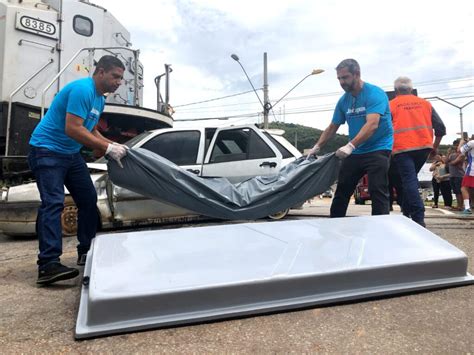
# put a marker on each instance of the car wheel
(279, 215)
(69, 220)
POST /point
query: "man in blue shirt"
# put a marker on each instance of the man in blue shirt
(366, 110)
(70, 123)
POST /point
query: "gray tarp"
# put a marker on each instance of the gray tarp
(155, 177)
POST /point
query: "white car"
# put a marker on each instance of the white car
(237, 153)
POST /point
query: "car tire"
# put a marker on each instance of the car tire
(279, 215)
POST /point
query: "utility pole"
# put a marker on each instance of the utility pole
(266, 103)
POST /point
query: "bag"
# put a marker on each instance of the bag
(153, 176)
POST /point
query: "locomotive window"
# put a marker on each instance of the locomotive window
(83, 25)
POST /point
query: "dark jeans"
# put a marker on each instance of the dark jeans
(395, 183)
(455, 183)
(53, 171)
(408, 165)
(375, 165)
(445, 188)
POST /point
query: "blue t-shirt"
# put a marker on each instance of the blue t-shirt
(354, 111)
(79, 98)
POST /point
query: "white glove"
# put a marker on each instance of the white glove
(313, 151)
(345, 151)
(116, 152)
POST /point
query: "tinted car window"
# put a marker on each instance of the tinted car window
(284, 152)
(179, 147)
(239, 144)
(258, 149)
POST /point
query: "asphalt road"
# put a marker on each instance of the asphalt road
(42, 320)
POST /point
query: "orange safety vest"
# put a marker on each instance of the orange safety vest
(412, 128)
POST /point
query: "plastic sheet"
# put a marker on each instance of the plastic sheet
(160, 278)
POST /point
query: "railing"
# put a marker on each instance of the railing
(119, 34)
(21, 41)
(91, 51)
(9, 115)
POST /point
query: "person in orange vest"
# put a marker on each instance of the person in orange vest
(414, 120)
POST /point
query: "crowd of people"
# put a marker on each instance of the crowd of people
(451, 173)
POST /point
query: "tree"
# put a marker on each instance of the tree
(307, 136)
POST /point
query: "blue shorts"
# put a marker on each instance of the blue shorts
(455, 184)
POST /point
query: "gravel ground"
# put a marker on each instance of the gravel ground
(42, 320)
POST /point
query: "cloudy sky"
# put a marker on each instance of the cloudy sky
(429, 41)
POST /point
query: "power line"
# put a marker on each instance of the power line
(386, 86)
(424, 83)
(317, 108)
(429, 93)
(208, 108)
(296, 111)
(217, 106)
(217, 98)
(225, 117)
(442, 81)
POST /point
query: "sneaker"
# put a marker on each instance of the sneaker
(81, 259)
(55, 272)
(434, 206)
(466, 212)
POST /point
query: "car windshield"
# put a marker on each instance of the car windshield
(130, 143)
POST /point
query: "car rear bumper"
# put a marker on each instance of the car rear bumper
(18, 218)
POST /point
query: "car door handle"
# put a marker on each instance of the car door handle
(194, 171)
(271, 164)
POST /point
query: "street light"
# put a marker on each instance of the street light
(314, 72)
(267, 106)
(236, 58)
(458, 107)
